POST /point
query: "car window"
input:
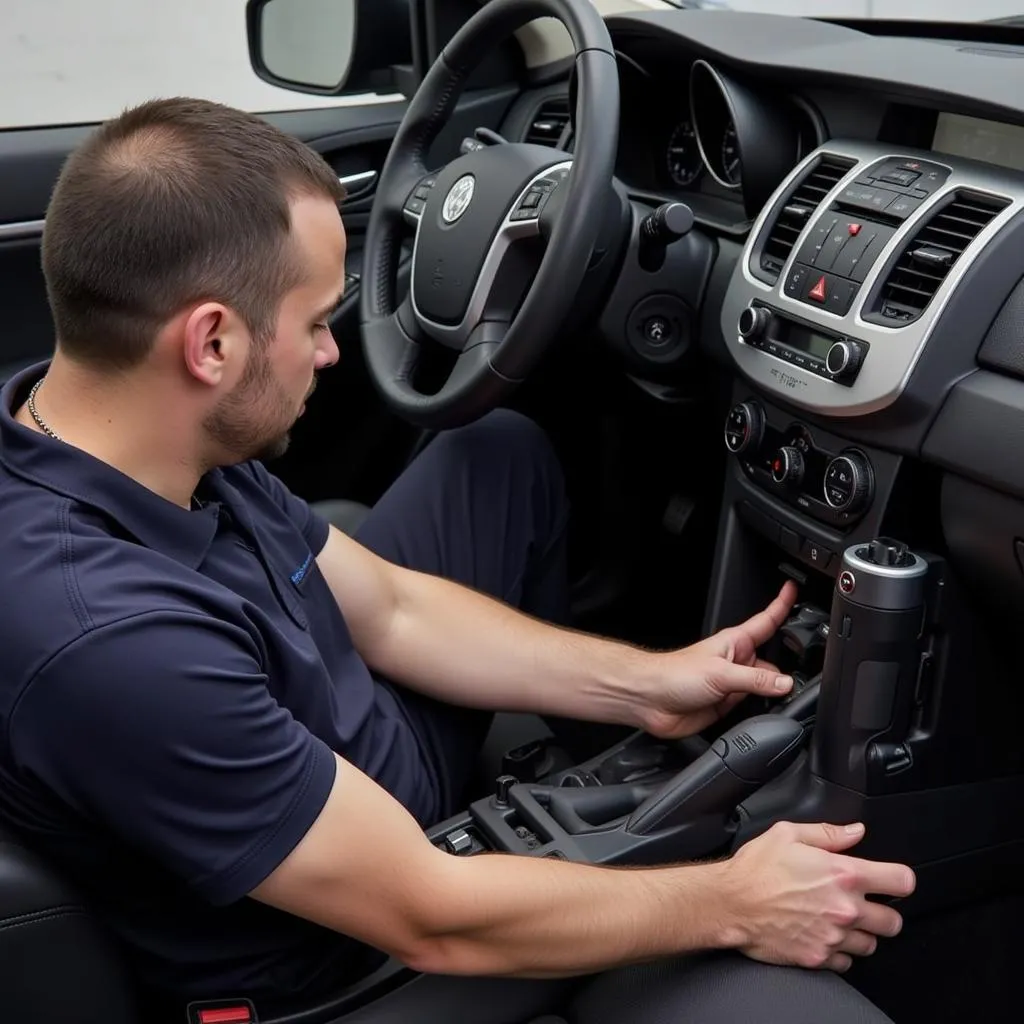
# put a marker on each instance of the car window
(72, 61)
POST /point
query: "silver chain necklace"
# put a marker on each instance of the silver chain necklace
(34, 413)
(195, 503)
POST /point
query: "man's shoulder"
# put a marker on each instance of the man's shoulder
(69, 571)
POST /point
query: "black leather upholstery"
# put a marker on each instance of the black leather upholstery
(57, 966)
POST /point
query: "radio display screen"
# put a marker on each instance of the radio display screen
(805, 340)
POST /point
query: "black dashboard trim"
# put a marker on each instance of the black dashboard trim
(979, 432)
(804, 51)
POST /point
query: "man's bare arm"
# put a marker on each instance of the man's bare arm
(466, 648)
(366, 870)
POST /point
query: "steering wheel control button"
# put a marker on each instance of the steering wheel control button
(744, 428)
(788, 466)
(417, 201)
(458, 841)
(848, 483)
(532, 204)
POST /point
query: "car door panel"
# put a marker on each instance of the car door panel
(346, 425)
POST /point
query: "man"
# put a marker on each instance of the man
(228, 722)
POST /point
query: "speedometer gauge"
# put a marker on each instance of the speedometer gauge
(683, 156)
(731, 166)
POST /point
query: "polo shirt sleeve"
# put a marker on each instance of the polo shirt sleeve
(315, 528)
(161, 728)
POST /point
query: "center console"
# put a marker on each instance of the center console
(847, 286)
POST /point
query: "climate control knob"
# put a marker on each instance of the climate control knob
(744, 427)
(753, 322)
(849, 482)
(788, 466)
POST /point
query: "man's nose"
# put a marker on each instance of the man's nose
(328, 354)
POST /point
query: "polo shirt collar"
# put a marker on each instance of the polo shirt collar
(64, 469)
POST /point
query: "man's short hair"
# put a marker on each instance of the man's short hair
(175, 201)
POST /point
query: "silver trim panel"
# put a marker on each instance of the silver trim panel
(510, 231)
(894, 350)
(21, 229)
(358, 182)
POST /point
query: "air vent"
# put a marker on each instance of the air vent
(798, 210)
(932, 253)
(548, 124)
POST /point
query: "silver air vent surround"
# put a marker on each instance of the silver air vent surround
(894, 350)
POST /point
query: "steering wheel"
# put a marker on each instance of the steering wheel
(483, 224)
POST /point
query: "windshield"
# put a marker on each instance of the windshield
(1011, 11)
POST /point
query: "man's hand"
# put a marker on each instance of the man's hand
(794, 898)
(700, 684)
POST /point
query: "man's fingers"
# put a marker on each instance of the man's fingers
(880, 877)
(760, 628)
(880, 920)
(731, 678)
(838, 962)
(825, 836)
(858, 943)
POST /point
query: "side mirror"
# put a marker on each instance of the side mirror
(329, 47)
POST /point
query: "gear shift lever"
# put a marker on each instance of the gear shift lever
(738, 763)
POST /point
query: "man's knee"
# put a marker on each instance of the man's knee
(508, 440)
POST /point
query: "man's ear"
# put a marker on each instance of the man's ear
(215, 341)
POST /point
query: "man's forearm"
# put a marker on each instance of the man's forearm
(466, 648)
(538, 918)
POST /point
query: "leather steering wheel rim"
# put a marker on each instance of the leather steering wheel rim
(497, 358)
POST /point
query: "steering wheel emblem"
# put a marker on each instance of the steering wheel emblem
(456, 203)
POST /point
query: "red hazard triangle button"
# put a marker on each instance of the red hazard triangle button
(818, 292)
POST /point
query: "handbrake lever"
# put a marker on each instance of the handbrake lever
(738, 763)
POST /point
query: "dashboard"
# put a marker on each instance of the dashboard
(864, 199)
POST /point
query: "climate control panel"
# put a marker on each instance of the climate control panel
(834, 487)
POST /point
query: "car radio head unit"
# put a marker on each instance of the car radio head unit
(825, 353)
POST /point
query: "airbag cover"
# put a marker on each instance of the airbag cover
(466, 207)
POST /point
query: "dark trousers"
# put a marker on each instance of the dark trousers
(485, 506)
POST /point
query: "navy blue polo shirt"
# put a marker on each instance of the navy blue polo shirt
(173, 685)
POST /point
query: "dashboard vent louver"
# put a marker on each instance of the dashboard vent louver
(931, 253)
(548, 123)
(798, 210)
